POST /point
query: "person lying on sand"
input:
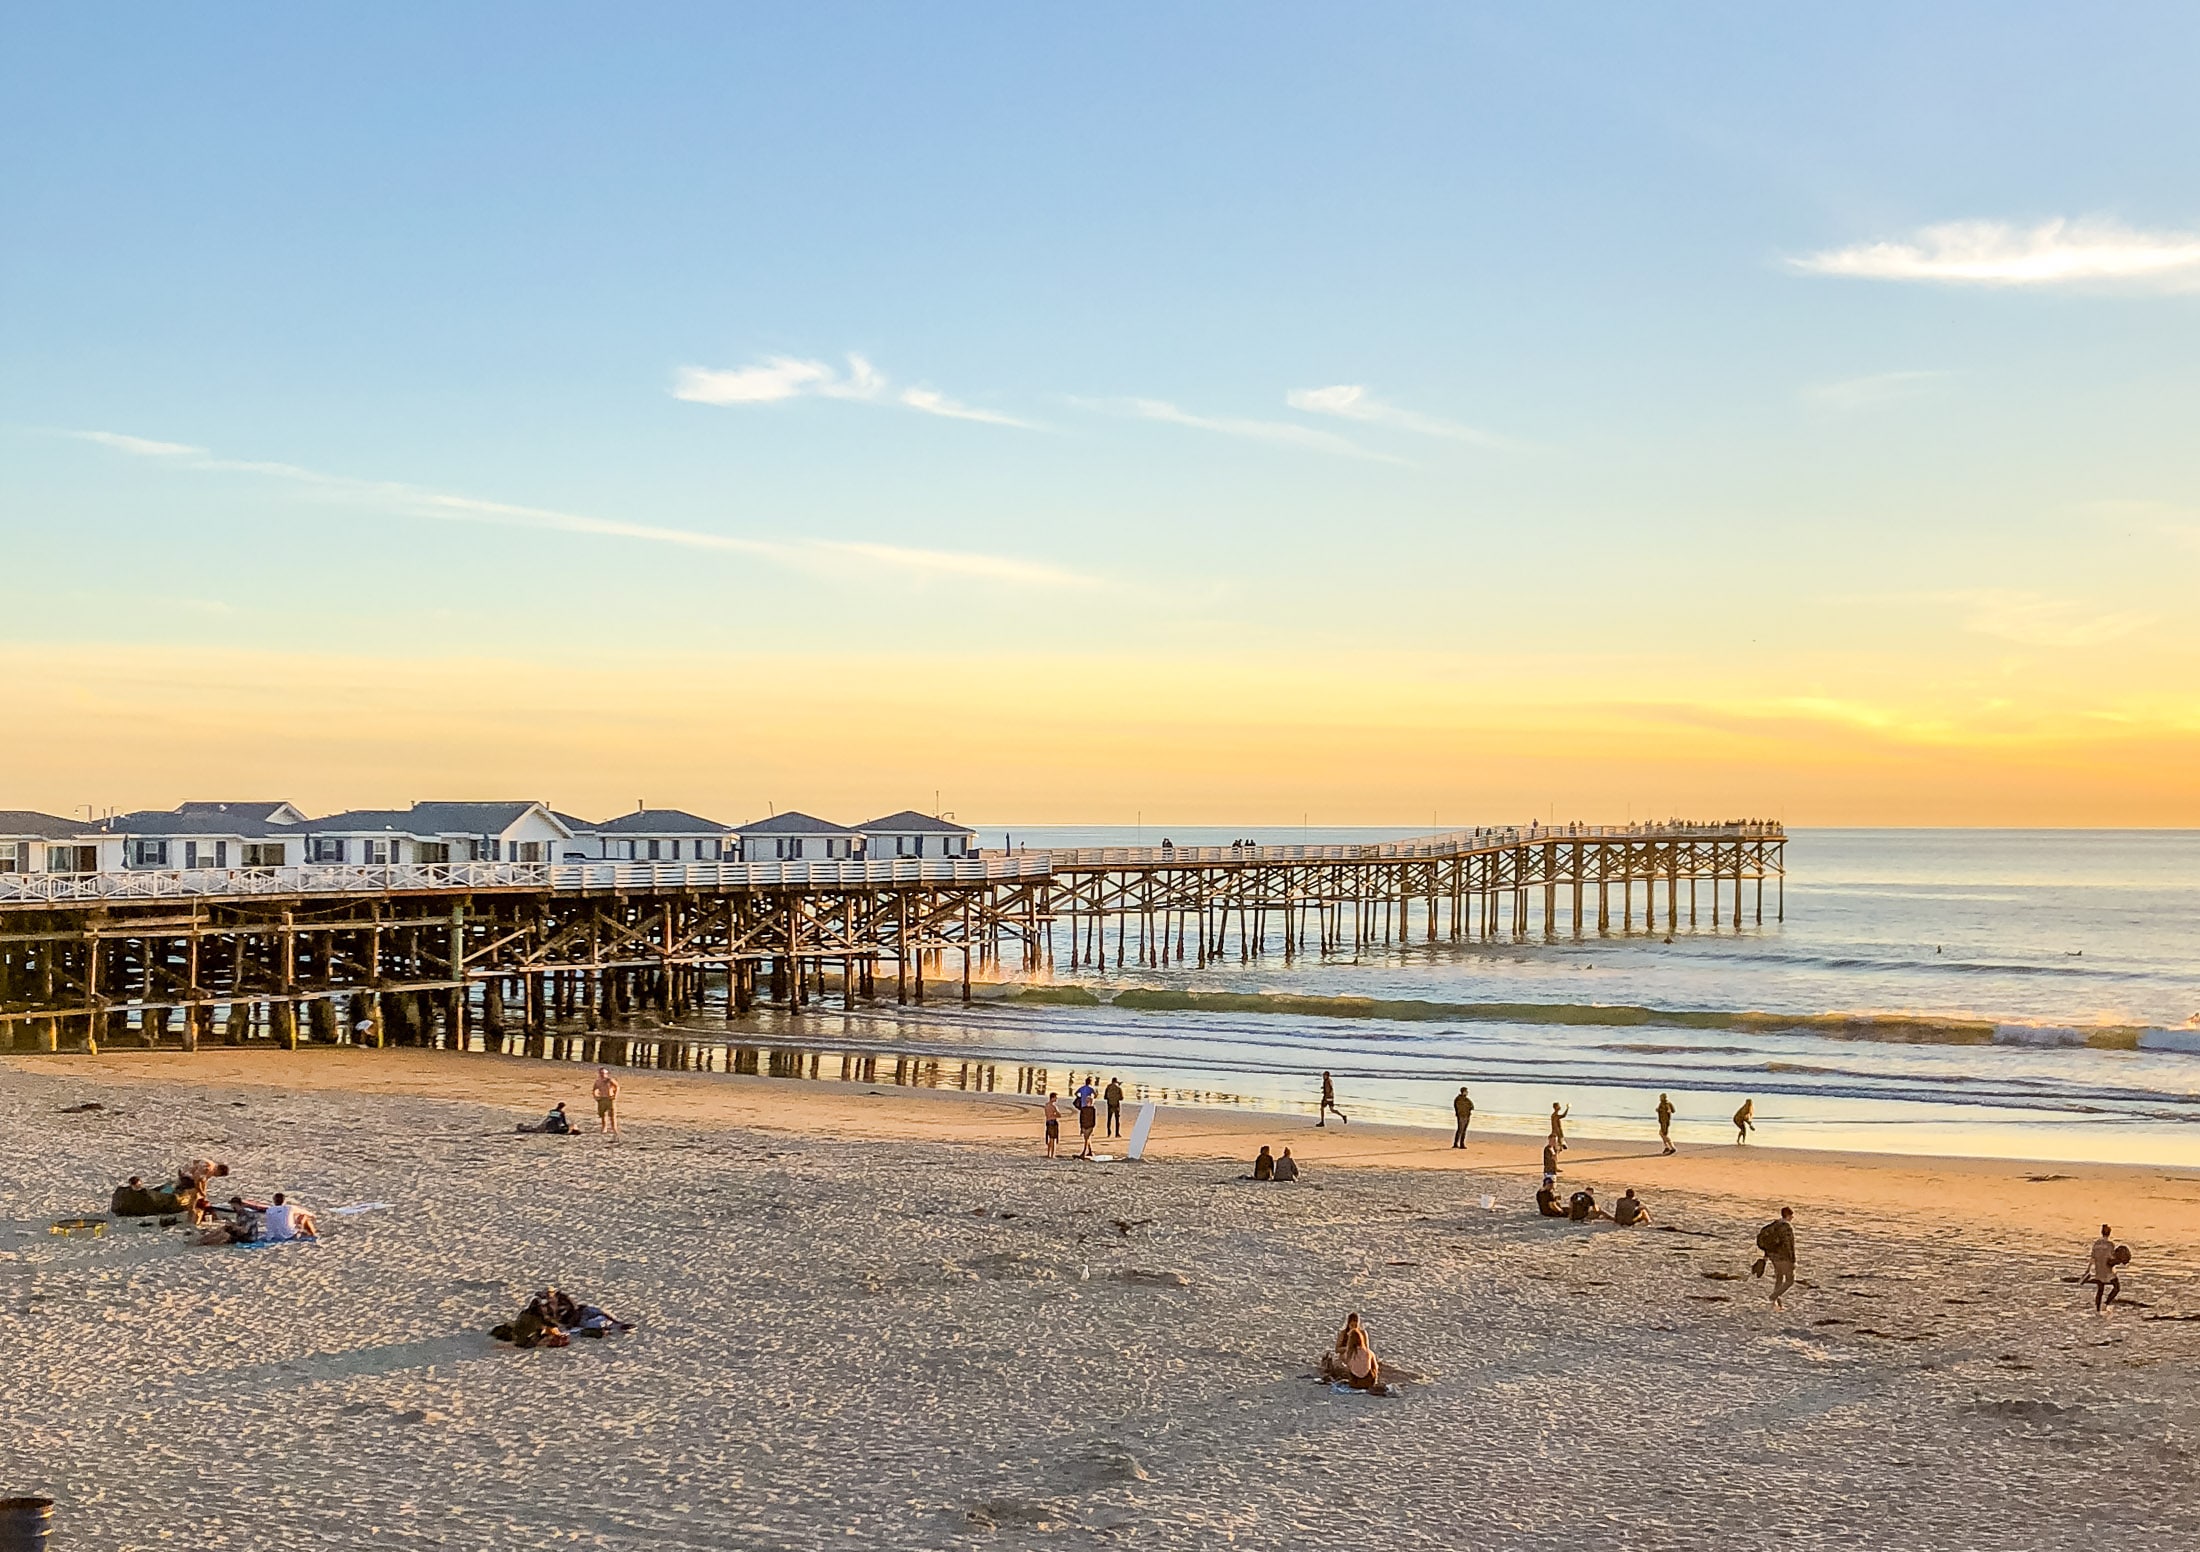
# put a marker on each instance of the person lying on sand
(286, 1220)
(1546, 1199)
(1628, 1212)
(1582, 1207)
(552, 1317)
(1264, 1164)
(132, 1200)
(1287, 1168)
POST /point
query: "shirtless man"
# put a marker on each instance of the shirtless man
(1665, 1122)
(1329, 1104)
(1558, 1129)
(1054, 1122)
(2101, 1270)
(1745, 1121)
(606, 1090)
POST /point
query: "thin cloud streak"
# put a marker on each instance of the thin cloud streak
(2038, 620)
(1282, 432)
(813, 555)
(1859, 393)
(779, 378)
(1352, 401)
(2060, 252)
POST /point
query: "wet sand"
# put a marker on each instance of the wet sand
(878, 1318)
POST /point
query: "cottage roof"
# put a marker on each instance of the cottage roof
(431, 819)
(793, 822)
(29, 822)
(267, 811)
(214, 819)
(910, 822)
(660, 821)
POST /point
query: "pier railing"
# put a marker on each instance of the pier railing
(1452, 843)
(465, 877)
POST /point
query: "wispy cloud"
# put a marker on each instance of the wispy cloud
(1995, 253)
(1876, 388)
(788, 377)
(1282, 432)
(1352, 401)
(828, 555)
(2037, 620)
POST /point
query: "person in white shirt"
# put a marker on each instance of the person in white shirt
(282, 1220)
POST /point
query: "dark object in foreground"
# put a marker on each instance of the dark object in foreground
(553, 1318)
(24, 1523)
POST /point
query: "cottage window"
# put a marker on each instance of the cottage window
(375, 851)
(72, 859)
(11, 856)
(324, 849)
(527, 851)
(432, 851)
(651, 852)
(206, 854)
(267, 854)
(148, 854)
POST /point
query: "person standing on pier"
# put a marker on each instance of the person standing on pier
(1745, 1121)
(606, 1090)
(1665, 1121)
(1462, 1109)
(1114, 1096)
(1329, 1104)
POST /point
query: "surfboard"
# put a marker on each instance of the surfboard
(1140, 1130)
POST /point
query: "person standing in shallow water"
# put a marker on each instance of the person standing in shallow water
(1462, 1110)
(1665, 1122)
(1745, 1121)
(1329, 1104)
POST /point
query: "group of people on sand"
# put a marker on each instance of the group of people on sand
(1629, 1212)
(239, 1221)
(1351, 1359)
(1087, 1101)
(606, 1091)
(553, 1318)
(1266, 1166)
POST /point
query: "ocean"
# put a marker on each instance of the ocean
(1999, 993)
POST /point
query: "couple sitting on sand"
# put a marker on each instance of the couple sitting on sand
(1628, 1212)
(553, 1318)
(1267, 1167)
(1352, 1361)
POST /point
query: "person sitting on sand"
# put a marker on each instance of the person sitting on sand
(557, 1122)
(1350, 1332)
(285, 1220)
(132, 1200)
(1582, 1207)
(243, 1226)
(1745, 1121)
(1264, 1164)
(1352, 1360)
(1546, 1199)
(1628, 1212)
(1287, 1168)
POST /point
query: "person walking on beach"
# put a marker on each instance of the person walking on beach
(1745, 1121)
(1114, 1096)
(1088, 1114)
(1463, 1109)
(1665, 1122)
(2102, 1267)
(1777, 1240)
(606, 1090)
(1329, 1104)
(1558, 1128)
(1054, 1122)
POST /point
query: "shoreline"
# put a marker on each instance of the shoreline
(2038, 1201)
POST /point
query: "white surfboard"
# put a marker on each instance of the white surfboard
(1140, 1130)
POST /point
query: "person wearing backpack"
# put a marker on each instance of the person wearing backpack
(1777, 1240)
(2106, 1261)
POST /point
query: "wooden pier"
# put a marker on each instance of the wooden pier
(458, 954)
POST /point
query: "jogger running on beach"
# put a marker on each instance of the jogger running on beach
(1745, 1121)
(1665, 1122)
(1329, 1104)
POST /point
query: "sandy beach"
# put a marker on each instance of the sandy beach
(878, 1318)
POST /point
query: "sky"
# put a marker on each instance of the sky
(1233, 413)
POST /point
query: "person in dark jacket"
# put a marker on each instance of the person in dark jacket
(1462, 1109)
(1777, 1240)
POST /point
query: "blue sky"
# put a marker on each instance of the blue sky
(1622, 356)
